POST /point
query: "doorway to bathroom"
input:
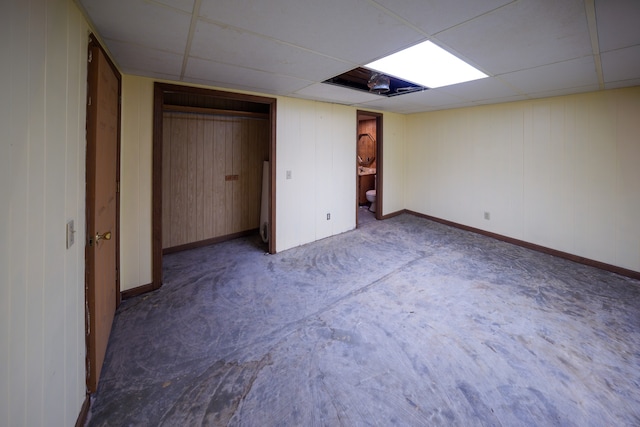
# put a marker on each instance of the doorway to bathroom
(368, 167)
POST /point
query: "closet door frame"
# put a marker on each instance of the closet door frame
(160, 89)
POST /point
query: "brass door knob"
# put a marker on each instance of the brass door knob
(104, 236)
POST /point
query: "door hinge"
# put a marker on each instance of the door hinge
(89, 102)
(90, 55)
(117, 186)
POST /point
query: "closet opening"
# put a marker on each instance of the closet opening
(213, 169)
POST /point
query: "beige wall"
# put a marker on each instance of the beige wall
(135, 181)
(42, 175)
(393, 147)
(558, 172)
(316, 141)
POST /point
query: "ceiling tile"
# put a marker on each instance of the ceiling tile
(562, 75)
(395, 104)
(433, 16)
(622, 64)
(137, 61)
(245, 49)
(618, 23)
(184, 5)
(501, 100)
(225, 75)
(530, 48)
(623, 83)
(482, 89)
(332, 93)
(433, 98)
(141, 23)
(352, 30)
(565, 91)
(522, 35)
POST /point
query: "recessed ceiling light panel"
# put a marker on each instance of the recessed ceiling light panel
(427, 64)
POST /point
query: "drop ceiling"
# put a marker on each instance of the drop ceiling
(529, 48)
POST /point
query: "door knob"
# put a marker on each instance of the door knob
(104, 236)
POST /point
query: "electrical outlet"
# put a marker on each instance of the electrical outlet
(71, 231)
(288, 174)
(487, 215)
(328, 216)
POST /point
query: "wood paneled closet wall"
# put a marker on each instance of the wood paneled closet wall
(212, 176)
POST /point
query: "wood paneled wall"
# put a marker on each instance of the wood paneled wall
(212, 176)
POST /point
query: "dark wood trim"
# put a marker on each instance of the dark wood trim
(560, 254)
(84, 411)
(139, 290)
(207, 242)
(392, 214)
(160, 89)
(379, 166)
(272, 175)
(216, 111)
(156, 193)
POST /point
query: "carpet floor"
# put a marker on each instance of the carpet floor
(400, 322)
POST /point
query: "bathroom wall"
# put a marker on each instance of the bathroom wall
(42, 186)
(558, 172)
(367, 146)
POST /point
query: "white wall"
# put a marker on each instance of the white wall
(136, 163)
(42, 175)
(316, 141)
(558, 172)
(393, 152)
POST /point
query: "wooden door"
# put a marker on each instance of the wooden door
(102, 288)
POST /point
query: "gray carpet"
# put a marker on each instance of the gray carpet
(400, 322)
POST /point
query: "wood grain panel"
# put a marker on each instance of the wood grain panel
(166, 179)
(208, 184)
(219, 162)
(212, 181)
(191, 180)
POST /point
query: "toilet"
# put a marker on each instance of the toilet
(371, 197)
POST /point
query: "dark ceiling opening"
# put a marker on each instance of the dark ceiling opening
(371, 81)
